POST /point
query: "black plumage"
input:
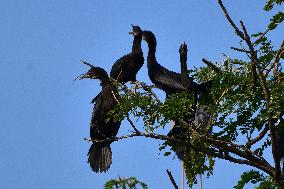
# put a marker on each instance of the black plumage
(126, 68)
(171, 82)
(101, 126)
(168, 81)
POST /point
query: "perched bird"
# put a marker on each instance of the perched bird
(126, 68)
(101, 126)
(178, 131)
(166, 80)
(170, 82)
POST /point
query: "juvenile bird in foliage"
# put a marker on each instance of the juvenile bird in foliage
(102, 127)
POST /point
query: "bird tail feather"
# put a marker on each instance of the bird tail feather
(100, 157)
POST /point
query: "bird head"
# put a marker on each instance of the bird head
(93, 72)
(136, 30)
(148, 36)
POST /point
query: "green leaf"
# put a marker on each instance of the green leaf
(276, 20)
(247, 177)
(167, 153)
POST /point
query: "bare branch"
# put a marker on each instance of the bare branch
(272, 129)
(133, 126)
(238, 32)
(261, 36)
(222, 145)
(240, 50)
(172, 179)
(245, 31)
(259, 137)
(210, 64)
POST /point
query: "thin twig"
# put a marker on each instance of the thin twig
(172, 179)
(239, 33)
(131, 123)
(240, 50)
(222, 95)
(261, 36)
(149, 90)
(258, 138)
(277, 58)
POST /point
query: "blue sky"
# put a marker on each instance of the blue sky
(44, 117)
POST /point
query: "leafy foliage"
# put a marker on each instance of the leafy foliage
(255, 177)
(124, 183)
(271, 3)
(250, 176)
(245, 97)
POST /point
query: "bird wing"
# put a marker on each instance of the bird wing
(119, 66)
(95, 99)
(97, 109)
(168, 78)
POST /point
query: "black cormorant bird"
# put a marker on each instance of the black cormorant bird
(101, 126)
(125, 68)
(169, 81)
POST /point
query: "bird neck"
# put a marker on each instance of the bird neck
(136, 47)
(105, 83)
(151, 52)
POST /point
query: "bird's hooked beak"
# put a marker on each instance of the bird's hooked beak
(86, 75)
(83, 76)
(132, 32)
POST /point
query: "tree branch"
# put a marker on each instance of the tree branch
(277, 58)
(255, 65)
(261, 36)
(221, 145)
(240, 50)
(210, 64)
(131, 123)
(259, 137)
(172, 179)
(238, 32)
